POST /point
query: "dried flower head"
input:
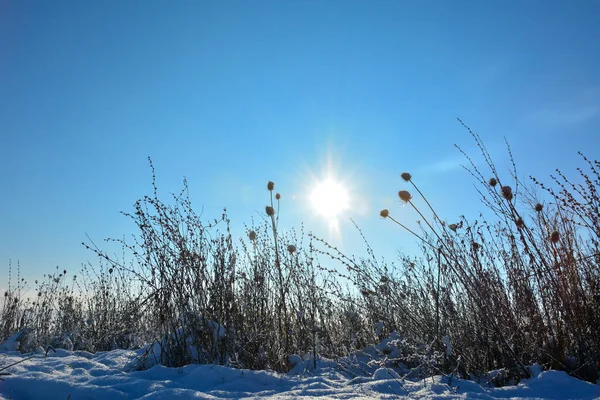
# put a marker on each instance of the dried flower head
(453, 227)
(277, 196)
(406, 176)
(384, 213)
(404, 195)
(476, 246)
(269, 210)
(538, 207)
(291, 249)
(554, 237)
(493, 182)
(520, 223)
(507, 192)
(252, 235)
(270, 185)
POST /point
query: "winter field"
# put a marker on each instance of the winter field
(506, 306)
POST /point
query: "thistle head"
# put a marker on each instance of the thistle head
(507, 193)
(291, 249)
(270, 211)
(384, 213)
(539, 207)
(277, 196)
(406, 176)
(270, 185)
(453, 227)
(493, 182)
(404, 195)
(554, 237)
(252, 235)
(520, 223)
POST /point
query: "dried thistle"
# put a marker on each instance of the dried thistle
(406, 176)
(453, 227)
(538, 207)
(270, 211)
(277, 196)
(291, 249)
(554, 236)
(507, 193)
(404, 195)
(384, 213)
(520, 223)
(252, 235)
(270, 185)
(493, 182)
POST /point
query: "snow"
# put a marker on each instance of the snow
(76, 375)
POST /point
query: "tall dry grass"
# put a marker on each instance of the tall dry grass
(515, 286)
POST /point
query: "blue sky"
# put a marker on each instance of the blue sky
(233, 94)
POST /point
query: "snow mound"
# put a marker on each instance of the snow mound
(63, 373)
(82, 375)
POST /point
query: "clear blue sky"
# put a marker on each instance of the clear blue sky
(233, 94)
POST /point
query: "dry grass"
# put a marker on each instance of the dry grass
(502, 292)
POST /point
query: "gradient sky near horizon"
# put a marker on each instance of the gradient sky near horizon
(232, 94)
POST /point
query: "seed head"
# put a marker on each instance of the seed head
(269, 210)
(554, 237)
(384, 213)
(538, 207)
(507, 193)
(493, 182)
(277, 196)
(404, 195)
(406, 176)
(252, 235)
(291, 249)
(270, 185)
(453, 227)
(520, 223)
(476, 246)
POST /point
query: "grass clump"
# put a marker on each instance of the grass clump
(517, 286)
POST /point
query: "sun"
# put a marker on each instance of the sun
(330, 198)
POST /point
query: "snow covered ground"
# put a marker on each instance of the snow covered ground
(80, 375)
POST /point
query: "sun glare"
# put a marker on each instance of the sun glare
(330, 198)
